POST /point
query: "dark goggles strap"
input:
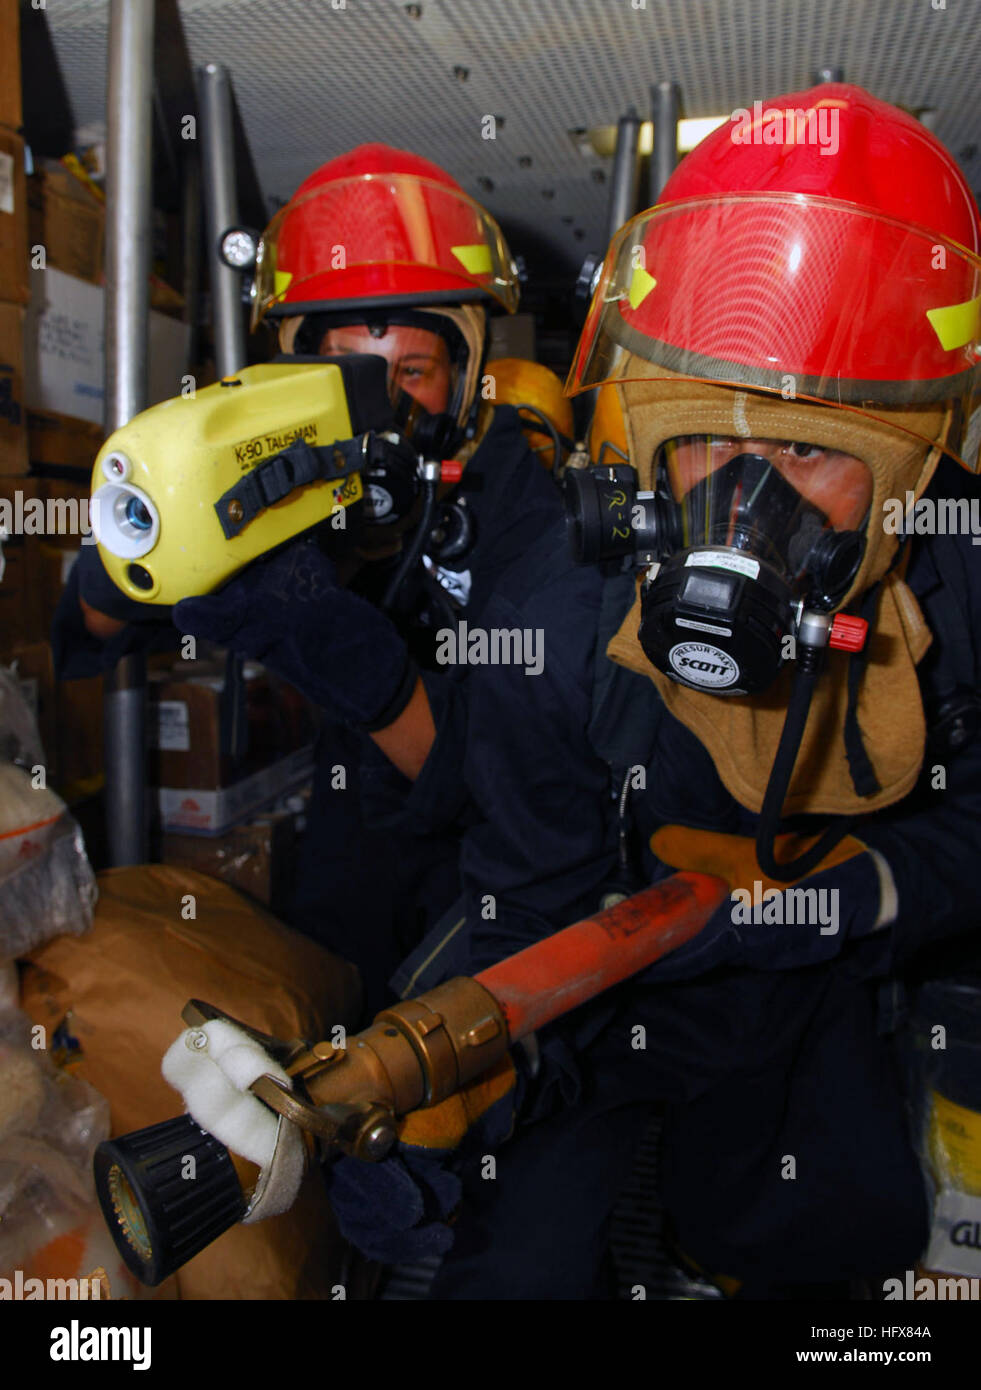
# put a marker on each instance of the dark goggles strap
(293, 468)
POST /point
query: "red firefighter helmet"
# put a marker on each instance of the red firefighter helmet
(380, 227)
(824, 245)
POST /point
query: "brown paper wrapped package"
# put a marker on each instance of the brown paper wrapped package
(125, 983)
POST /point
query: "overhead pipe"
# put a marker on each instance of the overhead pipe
(626, 173)
(221, 212)
(665, 113)
(228, 321)
(128, 215)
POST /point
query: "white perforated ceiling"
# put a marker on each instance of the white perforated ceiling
(314, 77)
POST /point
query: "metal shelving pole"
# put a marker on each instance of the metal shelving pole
(128, 216)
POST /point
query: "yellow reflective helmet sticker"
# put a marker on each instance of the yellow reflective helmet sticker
(641, 284)
(956, 324)
(475, 258)
(281, 282)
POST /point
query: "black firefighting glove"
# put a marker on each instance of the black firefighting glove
(288, 611)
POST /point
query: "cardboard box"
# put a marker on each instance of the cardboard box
(69, 717)
(14, 278)
(165, 298)
(62, 441)
(64, 352)
(53, 565)
(207, 811)
(206, 736)
(257, 858)
(79, 754)
(68, 220)
(13, 423)
(46, 522)
(10, 92)
(68, 514)
(22, 614)
(34, 669)
(218, 756)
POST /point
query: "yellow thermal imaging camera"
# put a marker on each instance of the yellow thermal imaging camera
(192, 490)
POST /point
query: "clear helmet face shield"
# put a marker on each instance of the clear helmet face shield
(750, 533)
(805, 297)
(360, 241)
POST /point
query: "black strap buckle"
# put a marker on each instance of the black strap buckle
(296, 467)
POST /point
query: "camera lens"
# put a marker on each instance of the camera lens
(137, 514)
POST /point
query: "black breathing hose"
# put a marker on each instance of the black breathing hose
(798, 707)
(414, 550)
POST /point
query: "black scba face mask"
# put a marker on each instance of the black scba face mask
(740, 558)
(389, 487)
(733, 564)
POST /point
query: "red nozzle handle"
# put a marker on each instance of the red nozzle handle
(848, 634)
(450, 471)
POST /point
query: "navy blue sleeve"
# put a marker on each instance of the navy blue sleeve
(544, 837)
(932, 839)
(514, 500)
(515, 504)
(934, 856)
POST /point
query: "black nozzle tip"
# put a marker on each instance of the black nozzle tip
(166, 1192)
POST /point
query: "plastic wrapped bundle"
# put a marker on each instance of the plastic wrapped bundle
(947, 1110)
(47, 887)
(53, 1240)
(19, 738)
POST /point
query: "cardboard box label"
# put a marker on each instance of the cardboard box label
(65, 357)
(173, 729)
(955, 1237)
(6, 182)
(210, 812)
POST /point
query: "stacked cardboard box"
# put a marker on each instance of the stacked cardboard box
(14, 285)
(66, 215)
(40, 521)
(257, 857)
(66, 225)
(224, 746)
(20, 593)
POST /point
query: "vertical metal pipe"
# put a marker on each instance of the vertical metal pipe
(128, 165)
(191, 235)
(626, 173)
(665, 113)
(221, 211)
(128, 192)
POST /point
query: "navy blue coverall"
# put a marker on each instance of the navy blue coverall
(758, 1060)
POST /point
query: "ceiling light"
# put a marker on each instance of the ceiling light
(602, 140)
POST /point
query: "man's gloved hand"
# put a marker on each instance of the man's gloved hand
(288, 611)
(396, 1211)
(763, 925)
